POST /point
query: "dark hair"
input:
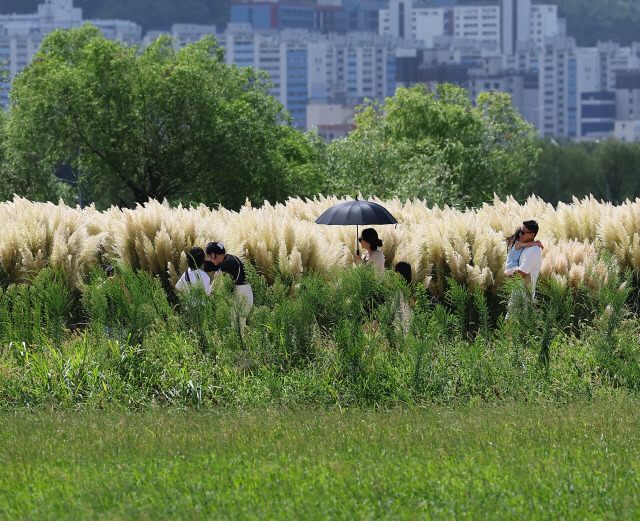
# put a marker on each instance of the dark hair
(513, 238)
(111, 270)
(371, 236)
(404, 269)
(195, 257)
(532, 226)
(217, 248)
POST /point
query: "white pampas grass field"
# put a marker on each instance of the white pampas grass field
(467, 245)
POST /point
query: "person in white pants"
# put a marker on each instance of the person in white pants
(224, 262)
(529, 263)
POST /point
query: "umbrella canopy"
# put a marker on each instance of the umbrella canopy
(358, 213)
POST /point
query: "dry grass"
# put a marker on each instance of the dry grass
(438, 242)
(36, 235)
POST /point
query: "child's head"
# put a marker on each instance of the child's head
(512, 239)
(195, 257)
(404, 269)
(111, 271)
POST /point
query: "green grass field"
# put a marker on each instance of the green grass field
(137, 408)
(509, 461)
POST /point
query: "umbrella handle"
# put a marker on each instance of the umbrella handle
(357, 241)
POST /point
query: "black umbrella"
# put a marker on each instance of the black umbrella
(358, 213)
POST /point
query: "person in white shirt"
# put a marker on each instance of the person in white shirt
(370, 243)
(530, 260)
(529, 264)
(194, 273)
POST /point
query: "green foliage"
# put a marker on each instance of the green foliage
(482, 308)
(21, 315)
(556, 307)
(617, 355)
(605, 20)
(608, 170)
(344, 340)
(152, 122)
(53, 291)
(125, 308)
(435, 145)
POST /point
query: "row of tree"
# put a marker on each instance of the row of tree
(114, 124)
(131, 123)
(609, 170)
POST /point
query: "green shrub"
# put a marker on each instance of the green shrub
(346, 339)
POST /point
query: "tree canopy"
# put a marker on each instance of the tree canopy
(139, 122)
(436, 145)
(608, 169)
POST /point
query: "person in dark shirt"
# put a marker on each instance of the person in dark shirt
(222, 262)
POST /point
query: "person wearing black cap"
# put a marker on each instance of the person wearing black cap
(224, 262)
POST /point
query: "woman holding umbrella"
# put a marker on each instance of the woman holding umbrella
(371, 255)
(359, 213)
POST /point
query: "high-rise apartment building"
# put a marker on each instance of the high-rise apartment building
(516, 25)
(310, 68)
(340, 52)
(21, 35)
(507, 27)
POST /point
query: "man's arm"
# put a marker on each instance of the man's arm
(520, 245)
(525, 276)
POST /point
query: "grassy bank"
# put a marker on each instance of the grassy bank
(513, 461)
(312, 341)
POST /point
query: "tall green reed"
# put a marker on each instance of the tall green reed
(57, 300)
(334, 339)
(22, 314)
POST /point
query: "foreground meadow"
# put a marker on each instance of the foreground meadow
(512, 461)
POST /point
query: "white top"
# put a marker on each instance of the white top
(376, 258)
(531, 262)
(195, 277)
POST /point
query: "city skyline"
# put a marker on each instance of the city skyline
(514, 46)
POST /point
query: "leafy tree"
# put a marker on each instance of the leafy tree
(565, 170)
(608, 170)
(620, 166)
(136, 123)
(435, 145)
